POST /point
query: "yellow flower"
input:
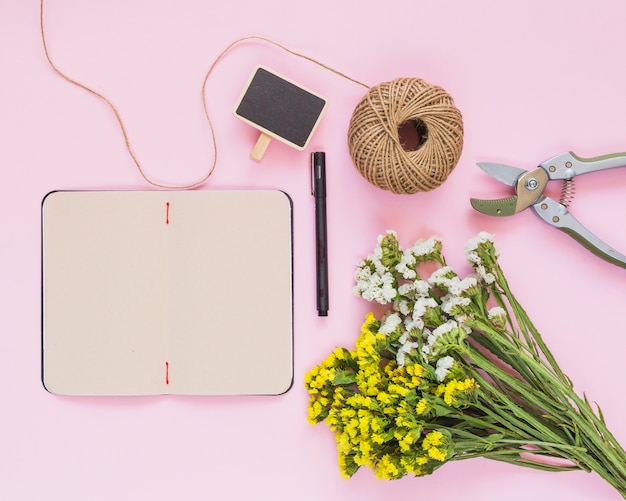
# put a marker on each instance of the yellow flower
(415, 370)
(399, 390)
(366, 449)
(440, 390)
(364, 425)
(347, 466)
(360, 401)
(436, 445)
(338, 396)
(368, 380)
(377, 438)
(384, 398)
(377, 424)
(422, 406)
(351, 427)
(386, 469)
(343, 443)
(453, 388)
(434, 438)
(370, 319)
(321, 376)
(408, 440)
(366, 349)
(308, 377)
(341, 353)
(332, 420)
(437, 454)
(408, 465)
(416, 379)
(315, 410)
(369, 342)
(347, 412)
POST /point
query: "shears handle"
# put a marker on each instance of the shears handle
(557, 215)
(567, 165)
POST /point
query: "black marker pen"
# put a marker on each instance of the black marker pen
(318, 174)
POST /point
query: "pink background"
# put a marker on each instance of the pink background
(532, 79)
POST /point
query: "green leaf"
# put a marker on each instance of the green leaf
(494, 437)
(343, 378)
(601, 414)
(442, 409)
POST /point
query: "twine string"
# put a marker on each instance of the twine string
(204, 100)
(376, 147)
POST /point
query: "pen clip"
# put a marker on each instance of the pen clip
(312, 174)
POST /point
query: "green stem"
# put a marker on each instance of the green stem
(525, 367)
(604, 454)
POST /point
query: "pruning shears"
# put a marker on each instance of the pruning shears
(529, 192)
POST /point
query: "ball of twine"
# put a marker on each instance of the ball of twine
(384, 157)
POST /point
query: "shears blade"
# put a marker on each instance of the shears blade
(500, 207)
(506, 174)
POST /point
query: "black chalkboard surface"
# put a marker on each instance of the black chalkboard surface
(280, 109)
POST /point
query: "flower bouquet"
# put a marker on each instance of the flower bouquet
(453, 369)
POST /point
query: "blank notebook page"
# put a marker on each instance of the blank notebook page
(186, 292)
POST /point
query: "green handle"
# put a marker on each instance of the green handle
(558, 216)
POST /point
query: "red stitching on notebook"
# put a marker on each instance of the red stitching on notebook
(167, 213)
(167, 372)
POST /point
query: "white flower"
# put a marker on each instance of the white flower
(425, 346)
(422, 288)
(388, 291)
(425, 247)
(445, 328)
(451, 304)
(458, 286)
(419, 310)
(441, 277)
(484, 275)
(497, 315)
(443, 367)
(473, 257)
(439, 331)
(374, 286)
(471, 253)
(406, 261)
(404, 338)
(402, 351)
(411, 323)
(421, 304)
(376, 257)
(496, 311)
(402, 306)
(406, 289)
(461, 319)
(363, 272)
(475, 242)
(390, 323)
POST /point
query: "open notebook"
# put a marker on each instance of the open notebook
(184, 292)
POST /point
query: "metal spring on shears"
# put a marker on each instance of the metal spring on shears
(567, 192)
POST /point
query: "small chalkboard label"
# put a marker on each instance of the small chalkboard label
(280, 109)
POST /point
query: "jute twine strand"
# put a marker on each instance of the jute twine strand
(204, 100)
(375, 145)
(373, 135)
